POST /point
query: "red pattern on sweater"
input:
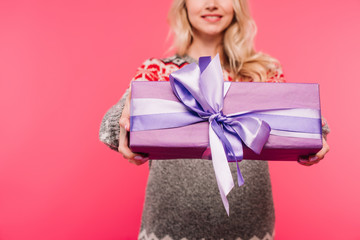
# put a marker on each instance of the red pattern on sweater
(154, 69)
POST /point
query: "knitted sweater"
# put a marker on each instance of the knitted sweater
(182, 199)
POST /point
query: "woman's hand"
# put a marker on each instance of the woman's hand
(124, 149)
(313, 159)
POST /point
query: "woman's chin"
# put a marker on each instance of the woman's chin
(211, 33)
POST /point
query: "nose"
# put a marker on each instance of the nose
(211, 5)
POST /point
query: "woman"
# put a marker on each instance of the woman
(182, 199)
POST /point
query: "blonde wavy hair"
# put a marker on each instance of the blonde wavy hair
(238, 54)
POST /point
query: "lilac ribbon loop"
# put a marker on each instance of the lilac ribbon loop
(200, 89)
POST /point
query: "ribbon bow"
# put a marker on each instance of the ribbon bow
(201, 90)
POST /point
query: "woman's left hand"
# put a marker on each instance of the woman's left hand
(313, 159)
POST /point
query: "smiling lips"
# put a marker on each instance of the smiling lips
(212, 17)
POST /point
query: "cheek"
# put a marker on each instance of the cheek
(193, 10)
(230, 15)
(191, 19)
(228, 8)
(193, 7)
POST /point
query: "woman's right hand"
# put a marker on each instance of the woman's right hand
(124, 149)
(313, 159)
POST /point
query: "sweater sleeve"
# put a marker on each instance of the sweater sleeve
(109, 127)
(325, 129)
(109, 131)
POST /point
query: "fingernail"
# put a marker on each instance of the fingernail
(312, 159)
(138, 157)
(303, 160)
(126, 128)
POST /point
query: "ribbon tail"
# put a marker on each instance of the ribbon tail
(221, 167)
(237, 148)
(239, 175)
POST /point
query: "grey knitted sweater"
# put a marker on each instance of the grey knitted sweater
(182, 198)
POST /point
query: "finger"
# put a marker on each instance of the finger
(126, 110)
(125, 123)
(123, 142)
(129, 95)
(307, 162)
(127, 104)
(131, 156)
(122, 137)
(325, 149)
(322, 121)
(313, 159)
(319, 155)
(124, 120)
(304, 162)
(137, 162)
(126, 151)
(123, 145)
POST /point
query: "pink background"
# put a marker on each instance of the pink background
(63, 64)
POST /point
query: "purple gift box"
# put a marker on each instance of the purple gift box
(192, 141)
(198, 115)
